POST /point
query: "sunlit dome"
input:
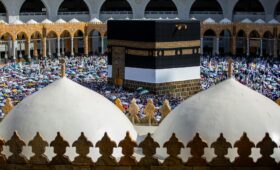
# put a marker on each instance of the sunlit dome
(47, 21)
(247, 21)
(69, 108)
(32, 21)
(273, 21)
(229, 108)
(17, 22)
(60, 21)
(74, 20)
(95, 21)
(2, 22)
(259, 21)
(225, 21)
(193, 18)
(209, 21)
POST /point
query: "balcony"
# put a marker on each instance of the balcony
(161, 14)
(74, 13)
(32, 13)
(105, 15)
(206, 12)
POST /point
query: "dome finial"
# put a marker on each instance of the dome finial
(63, 68)
(230, 70)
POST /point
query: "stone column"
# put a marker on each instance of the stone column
(44, 46)
(20, 49)
(275, 49)
(261, 47)
(62, 47)
(35, 48)
(76, 45)
(28, 49)
(233, 45)
(102, 45)
(90, 45)
(201, 46)
(248, 46)
(50, 51)
(86, 45)
(72, 46)
(14, 50)
(58, 46)
(6, 51)
(217, 45)
(214, 46)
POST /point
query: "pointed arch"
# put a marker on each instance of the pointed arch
(225, 42)
(209, 33)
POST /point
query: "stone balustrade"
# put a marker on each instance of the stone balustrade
(39, 161)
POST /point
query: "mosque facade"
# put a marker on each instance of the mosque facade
(31, 28)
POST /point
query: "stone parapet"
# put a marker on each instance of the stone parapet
(147, 149)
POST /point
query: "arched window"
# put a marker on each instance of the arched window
(2, 9)
(115, 5)
(253, 6)
(161, 5)
(73, 6)
(33, 6)
(206, 6)
(209, 45)
(241, 42)
(209, 33)
(254, 34)
(225, 42)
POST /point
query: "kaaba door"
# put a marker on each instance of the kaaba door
(118, 65)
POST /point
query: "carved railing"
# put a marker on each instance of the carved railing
(39, 161)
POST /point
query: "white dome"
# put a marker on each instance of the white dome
(247, 21)
(17, 22)
(209, 21)
(74, 20)
(95, 21)
(47, 21)
(2, 22)
(32, 21)
(229, 108)
(193, 18)
(60, 21)
(225, 21)
(67, 107)
(273, 21)
(259, 21)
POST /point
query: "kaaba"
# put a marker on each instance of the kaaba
(162, 56)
